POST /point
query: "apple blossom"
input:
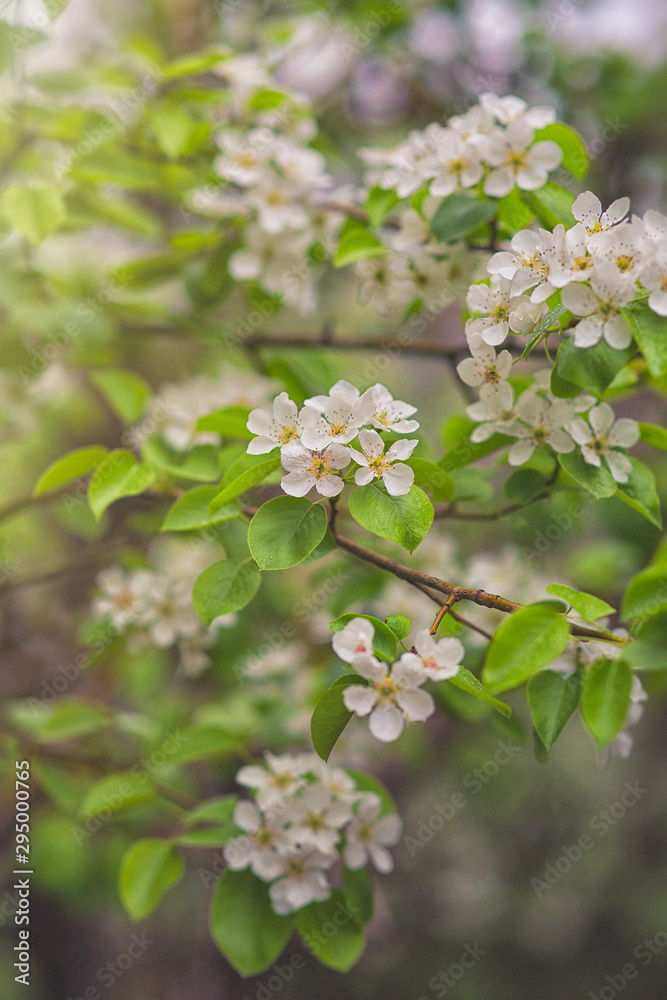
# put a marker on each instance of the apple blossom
(308, 468)
(602, 438)
(392, 696)
(397, 478)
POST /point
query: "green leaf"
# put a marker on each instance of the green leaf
(247, 479)
(356, 243)
(148, 869)
(341, 949)
(224, 587)
(550, 321)
(654, 435)
(380, 204)
(228, 422)
(552, 205)
(400, 625)
(575, 154)
(404, 520)
(366, 782)
(330, 716)
(215, 810)
(190, 511)
(649, 652)
(35, 210)
(650, 333)
(598, 481)
(69, 467)
(606, 698)
(286, 530)
(466, 681)
(524, 485)
(591, 368)
(384, 640)
(116, 792)
(640, 493)
(513, 213)
(173, 128)
(460, 214)
(359, 893)
(433, 478)
(646, 593)
(126, 392)
(243, 924)
(199, 464)
(553, 700)
(587, 605)
(526, 641)
(72, 717)
(119, 475)
(461, 450)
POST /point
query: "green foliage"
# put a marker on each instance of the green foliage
(433, 478)
(524, 643)
(126, 392)
(524, 485)
(461, 450)
(384, 639)
(224, 587)
(650, 333)
(343, 948)
(239, 481)
(640, 493)
(34, 210)
(553, 700)
(330, 715)
(404, 520)
(460, 214)
(400, 625)
(575, 153)
(591, 368)
(119, 475)
(190, 511)
(596, 480)
(243, 925)
(356, 243)
(70, 467)
(117, 792)
(286, 530)
(466, 681)
(149, 868)
(606, 698)
(587, 605)
(228, 422)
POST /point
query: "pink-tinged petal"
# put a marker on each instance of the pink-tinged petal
(617, 211)
(358, 457)
(624, 433)
(363, 477)
(545, 154)
(359, 699)
(620, 466)
(505, 395)
(521, 452)
(295, 458)
(503, 263)
(371, 443)
(414, 666)
(260, 422)
(337, 456)
(588, 332)
(252, 776)
(329, 485)
(386, 723)
(398, 480)
(296, 484)
(261, 445)
(601, 418)
(246, 816)
(417, 705)
(504, 364)
(449, 650)
(496, 333)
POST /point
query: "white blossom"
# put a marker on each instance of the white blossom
(354, 639)
(389, 414)
(308, 468)
(280, 427)
(587, 209)
(392, 696)
(274, 784)
(439, 659)
(603, 437)
(369, 835)
(488, 373)
(601, 305)
(539, 422)
(397, 477)
(262, 845)
(519, 162)
(303, 880)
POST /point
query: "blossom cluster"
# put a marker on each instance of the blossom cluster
(305, 817)
(271, 178)
(314, 442)
(599, 266)
(492, 144)
(154, 606)
(393, 695)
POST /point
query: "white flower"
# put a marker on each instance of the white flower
(487, 373)
(278, 428)
(169, 615)
(587, 209)
(341, 388)
(123, 597)
(491, 417)
(574, 262)
(274, 786)
(398, 478)
(604, 437)
(624, 247)
(456, 163)
(517, 162)
(308, 468)
(528, 264)
(355, 639)
(539, 422)
(369, 835)
(316, 819)
(392, 696)
(510, 109)
(244, 157)
(439, 659)
(601, 305)
(261, 848)
(340, 420)
(494, 301)
(389, 414)
(654, 278)
(303, 880)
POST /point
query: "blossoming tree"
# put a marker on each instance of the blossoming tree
(236, 227)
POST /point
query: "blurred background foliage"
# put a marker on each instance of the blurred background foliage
(145, 296)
